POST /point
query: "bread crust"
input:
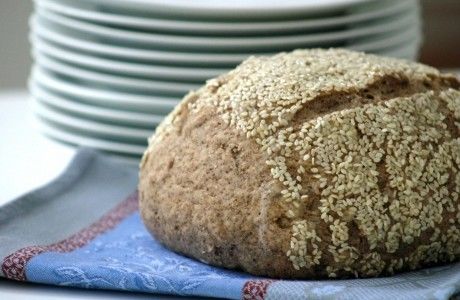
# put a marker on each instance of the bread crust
(361, 179)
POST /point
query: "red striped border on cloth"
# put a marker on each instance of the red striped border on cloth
(256, 289)
(14, 265)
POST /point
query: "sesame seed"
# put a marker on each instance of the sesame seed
(345, 152)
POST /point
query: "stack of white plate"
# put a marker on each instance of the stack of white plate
(107, 71)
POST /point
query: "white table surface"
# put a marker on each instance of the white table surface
(28, 160)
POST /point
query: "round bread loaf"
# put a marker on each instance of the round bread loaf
(310, 164)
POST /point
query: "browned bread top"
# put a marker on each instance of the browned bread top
(310, 164)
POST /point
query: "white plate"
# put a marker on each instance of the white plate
(121, 83)
(409, 50)
(68, 136)
(377, 45)
(117, 117)
(126, 68)
(201, 74)
(104, 98)
(236, 9)
(79, 43)
(115, 36)
(88, 11)
(235, 6)
(92, 128)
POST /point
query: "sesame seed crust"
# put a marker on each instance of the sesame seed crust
(363, 152)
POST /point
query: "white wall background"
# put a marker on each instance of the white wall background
(14, 45)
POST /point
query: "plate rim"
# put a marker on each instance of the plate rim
(127, 53)
(134, 135)
(69, 137)
(167, 7)
(168, 72)
(134, 84)
(127, 101)
(193, 26)
(56, 21)
(130, 118)
(145, 55)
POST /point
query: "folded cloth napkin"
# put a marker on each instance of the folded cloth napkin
(84, 230)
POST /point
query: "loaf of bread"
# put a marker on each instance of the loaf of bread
(310, 164)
